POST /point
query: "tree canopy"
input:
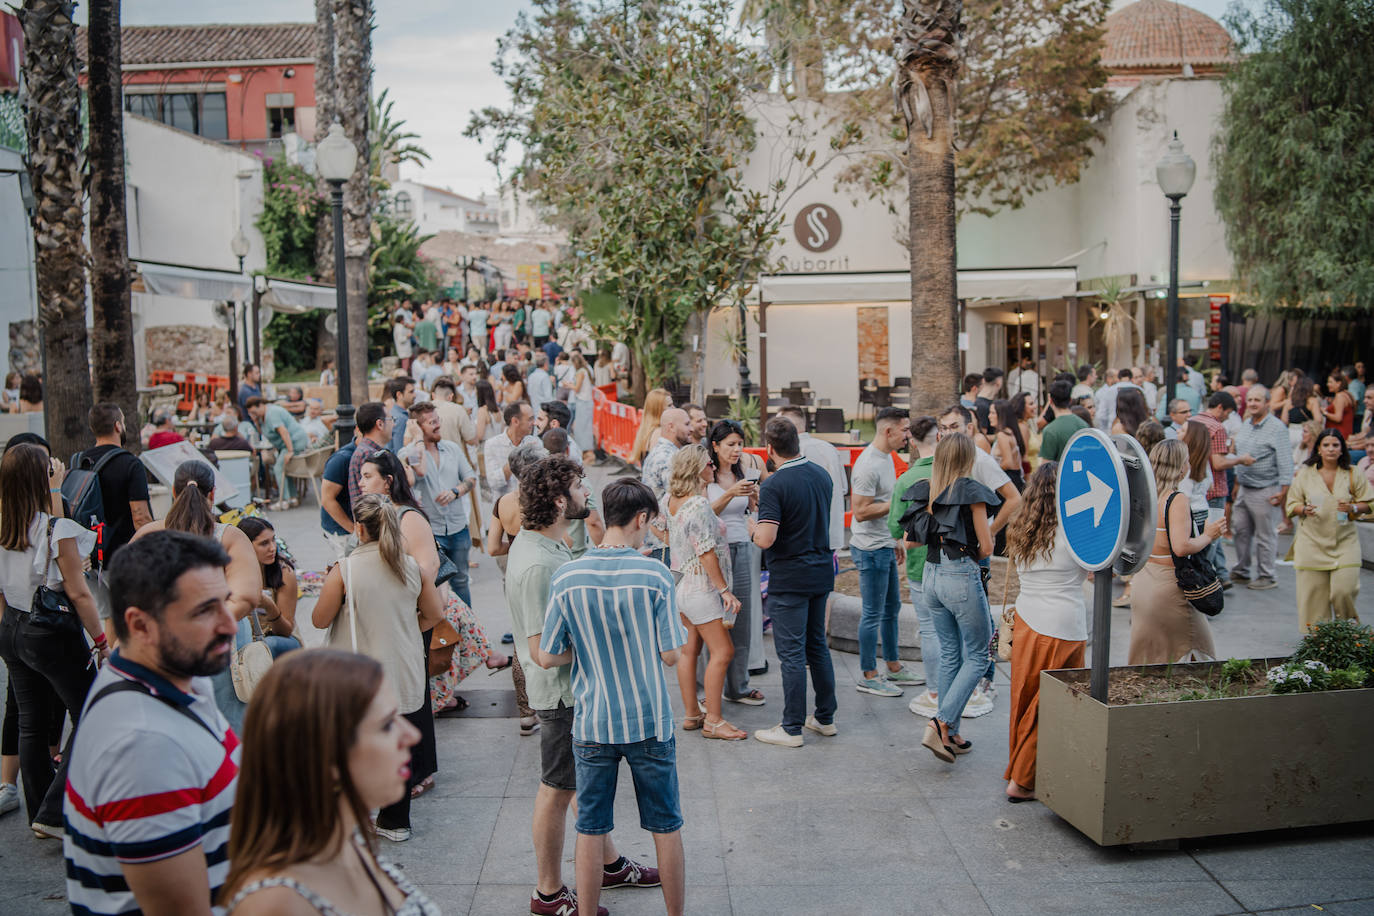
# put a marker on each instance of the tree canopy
(1295, 151)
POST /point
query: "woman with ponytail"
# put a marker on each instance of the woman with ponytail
(193, 511)
(377, 602)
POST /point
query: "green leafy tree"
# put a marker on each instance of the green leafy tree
(1295, 152)
(629, 127)
(390, 145)
(291, 207)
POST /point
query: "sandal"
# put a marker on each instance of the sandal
(752, 698)
(421, 787)
(692, 723)
(492, 669)
(528, 725)
(723, 730)
(934, 739)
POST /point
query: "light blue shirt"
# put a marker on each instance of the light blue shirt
(452, 470)
(540, 387)
(616, 610)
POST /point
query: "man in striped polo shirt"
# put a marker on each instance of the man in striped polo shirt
(613, 615)
(153, 772)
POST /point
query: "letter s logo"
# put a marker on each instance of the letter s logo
(817, 227)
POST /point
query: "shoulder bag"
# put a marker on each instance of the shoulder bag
(443, 641)
(1196, 578)
(50, 608)
(1004, 631)
(249, 665)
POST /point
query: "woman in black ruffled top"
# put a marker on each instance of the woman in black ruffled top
(954, 529)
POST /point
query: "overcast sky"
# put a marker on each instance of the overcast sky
(435, 57)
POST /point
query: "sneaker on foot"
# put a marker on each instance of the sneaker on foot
(1239, 577)
(630, 874)
(776, 735)
(46, 831)
(1263, 583)
(395, 835)
(564, 903)
(980, 704)
(828, 729)
(9, 798)
(925, 704)
(878, 687)
(988, 688)
(904, 677)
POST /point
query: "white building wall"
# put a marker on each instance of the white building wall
(18, 296)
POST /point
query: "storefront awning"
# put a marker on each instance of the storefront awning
(975, 286)
(290, 296)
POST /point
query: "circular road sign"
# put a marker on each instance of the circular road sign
(1092, 499)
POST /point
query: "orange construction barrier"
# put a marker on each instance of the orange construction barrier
(190, 385)
(848, 455)
(616, 425)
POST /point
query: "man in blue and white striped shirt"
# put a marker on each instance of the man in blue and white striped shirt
(613, 615)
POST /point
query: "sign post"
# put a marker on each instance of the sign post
(1106, 507)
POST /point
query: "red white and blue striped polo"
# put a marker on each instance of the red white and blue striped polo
(146, 783)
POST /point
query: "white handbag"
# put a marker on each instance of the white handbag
(348, 604)
(250, 664)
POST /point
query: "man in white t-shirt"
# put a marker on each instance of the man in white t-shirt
(477, 327)
(876, 556)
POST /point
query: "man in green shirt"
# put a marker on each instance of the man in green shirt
(923, 433)
(285, 435)
(551, 494)
(1061, 429)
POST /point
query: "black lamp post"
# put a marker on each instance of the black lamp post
(336, 158)
(1174, 172)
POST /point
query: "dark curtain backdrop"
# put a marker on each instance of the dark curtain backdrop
(1271, 344)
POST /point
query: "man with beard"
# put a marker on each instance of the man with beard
(153, 774)
(552, 493)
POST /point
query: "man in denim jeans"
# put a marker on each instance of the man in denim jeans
(876, 553)
(613, 615)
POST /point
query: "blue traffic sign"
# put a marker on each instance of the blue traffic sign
(1092, 507)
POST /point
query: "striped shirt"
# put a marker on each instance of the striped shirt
(616, 609)
(1268, 442)
(145, 784)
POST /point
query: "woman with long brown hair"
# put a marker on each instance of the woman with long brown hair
(323, 745)
(377, 601)
(1051, 626)
(655, 402)
(1198, 477)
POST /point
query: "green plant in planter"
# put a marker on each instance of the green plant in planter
(1339, 644)
(746, 414)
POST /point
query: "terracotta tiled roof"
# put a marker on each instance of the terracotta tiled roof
(178, 44)
(1158, 33)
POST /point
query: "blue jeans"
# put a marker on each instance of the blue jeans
(225, 698)
(882, 599)
(930, 640)
(953, 591)
(799, 640)
(653, 766)
(1215, 553)
(456, 546)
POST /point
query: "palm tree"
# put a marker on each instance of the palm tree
(112, 333)
(352, 98)
(391, 145)
(53, 125)
(325, 114)
(929, 52)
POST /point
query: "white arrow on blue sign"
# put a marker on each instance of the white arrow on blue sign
(1092, 507)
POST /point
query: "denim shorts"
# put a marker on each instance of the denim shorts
(653, 765)
(555, 748)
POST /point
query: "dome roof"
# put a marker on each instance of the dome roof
(1161, 34)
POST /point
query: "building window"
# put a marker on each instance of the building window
(214, 116)
(281, 114)
(181, 110)
(403, 207)
(144, 105)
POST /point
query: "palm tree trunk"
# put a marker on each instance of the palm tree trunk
(928, 61)
(353, 82)
(326, 113)
(53, 125)
(112, 332)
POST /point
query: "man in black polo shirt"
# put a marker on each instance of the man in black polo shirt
(793, 530)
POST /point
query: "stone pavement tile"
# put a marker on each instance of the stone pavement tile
(820, 768)
(1299, 855)
(1032, 896)
(996, 841)
(449, 842)
(1287, 892)
(852, 899)
(33, 898)
(1361, 907)
(798, 839)
(475, 757)
(450, 898)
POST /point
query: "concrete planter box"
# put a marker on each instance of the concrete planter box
(842, 627)
(1166, 771)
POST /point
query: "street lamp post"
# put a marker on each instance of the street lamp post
(336, 158)
(1174, 172)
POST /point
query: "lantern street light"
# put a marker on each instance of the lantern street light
(335, 159)
(239, 246)
(1174, 172)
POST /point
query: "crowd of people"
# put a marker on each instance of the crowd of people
(275, 779)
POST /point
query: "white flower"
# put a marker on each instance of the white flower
(1304, 677)
(1314, 664)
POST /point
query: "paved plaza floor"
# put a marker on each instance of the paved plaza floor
(867, 822)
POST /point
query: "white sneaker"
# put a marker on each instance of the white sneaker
(9, 798)
(46, 831)
(988, 688)
(396, 835)
(776, 735)
(925, 704)
(980, 704)
(828, 730)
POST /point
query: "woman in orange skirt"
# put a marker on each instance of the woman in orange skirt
(1051, 625)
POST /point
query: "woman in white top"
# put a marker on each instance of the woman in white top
(1051, 627)
(38, 549)
(734, 493)
(377, 601)
(696, 540)
(581, 400)
(1197, 480)
(301, 841)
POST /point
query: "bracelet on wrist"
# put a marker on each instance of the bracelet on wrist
(100, 641)
(55, 490)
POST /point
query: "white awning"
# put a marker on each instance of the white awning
(977, 287)
(290, 296)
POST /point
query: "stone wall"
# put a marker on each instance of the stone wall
(187, 348)
(873, 344)
(25, 356)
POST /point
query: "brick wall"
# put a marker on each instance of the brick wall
(873, 344)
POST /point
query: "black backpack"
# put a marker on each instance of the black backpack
(85, 501)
